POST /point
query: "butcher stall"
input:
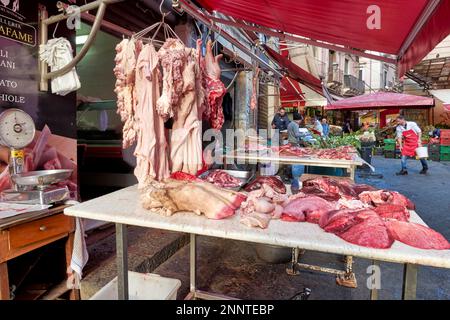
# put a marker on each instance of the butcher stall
(123, 208)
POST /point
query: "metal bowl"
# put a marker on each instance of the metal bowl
(41, 177)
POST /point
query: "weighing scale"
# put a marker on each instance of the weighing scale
(17, 131)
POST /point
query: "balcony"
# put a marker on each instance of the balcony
(353, 86)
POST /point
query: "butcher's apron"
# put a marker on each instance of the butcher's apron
(410, 143)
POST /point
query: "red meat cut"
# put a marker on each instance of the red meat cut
(417, 235)
(273, 182)
(379, 197)
(392, 211)
(309, 208)
(370, 232)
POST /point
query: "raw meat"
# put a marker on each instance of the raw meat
(272, 181)
(416, 235)
(351, 204)
(126, 56)
(342, 153)
(254, 98)
(386, 197)
(199, 197)
(309, 208)
(174, 57)
(256, 219)
(392, 211)
(215, 88)
(337, 221)
(370, 232)
(312, 190)
(341, 187)
(180, 99)
(222, 179)
(183, 176)
(151, 149)
(261, 206)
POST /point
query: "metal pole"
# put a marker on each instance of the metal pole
(409, 281)
(122, 261)
(43, 37)
(192, 264)
(194, 12)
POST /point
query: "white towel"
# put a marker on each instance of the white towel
(80, 254)
(57, 53)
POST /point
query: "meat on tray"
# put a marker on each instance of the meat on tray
(199, 197)
(379, 197)
(274, 182)
(222, 179)
(340, 153)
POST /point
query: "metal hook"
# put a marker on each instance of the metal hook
(54, 30)
(160, 10)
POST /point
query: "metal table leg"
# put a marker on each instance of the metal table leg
(374, 289)
(122, 261)
(409, 281)
(192, 264)
(352, 173)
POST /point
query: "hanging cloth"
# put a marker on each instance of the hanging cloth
(57, 53)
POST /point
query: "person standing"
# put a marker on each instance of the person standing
(295, 137)
(326, 127)
(347, 127)
(280, 120)
(408, 136)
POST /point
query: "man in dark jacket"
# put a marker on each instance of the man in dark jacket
(280, 120)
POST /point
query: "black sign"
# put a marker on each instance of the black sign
(12, 24)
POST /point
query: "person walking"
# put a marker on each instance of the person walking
(408, 136)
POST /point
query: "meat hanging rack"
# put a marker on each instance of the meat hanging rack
(68, 12)
(197, 14)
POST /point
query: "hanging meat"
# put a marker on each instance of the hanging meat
(180, 100)
(126, 56)
(151, 148)
(215, 88)
(254, 99)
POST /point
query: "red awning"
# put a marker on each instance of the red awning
(295, 72)
(407, 29)
(291, 93)
(382, 100)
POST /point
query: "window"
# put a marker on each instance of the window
(346, 66)
(385, 79)
(360, 74)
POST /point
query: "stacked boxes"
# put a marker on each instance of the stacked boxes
(445, 153)
(434, 152)
(445, 137)
(389, 148)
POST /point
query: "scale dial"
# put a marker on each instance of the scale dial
(16, 128)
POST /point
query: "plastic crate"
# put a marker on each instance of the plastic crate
(142, 286)
(434, 157)
(434, 147)
(445, 133)
(445, 157)
(445, 149)
(445, 141)
(389, 154)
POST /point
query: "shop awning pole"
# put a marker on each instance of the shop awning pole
(191, 10)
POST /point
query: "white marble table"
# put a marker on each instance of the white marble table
(122, 207)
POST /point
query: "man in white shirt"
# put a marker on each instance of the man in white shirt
(409, 138)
